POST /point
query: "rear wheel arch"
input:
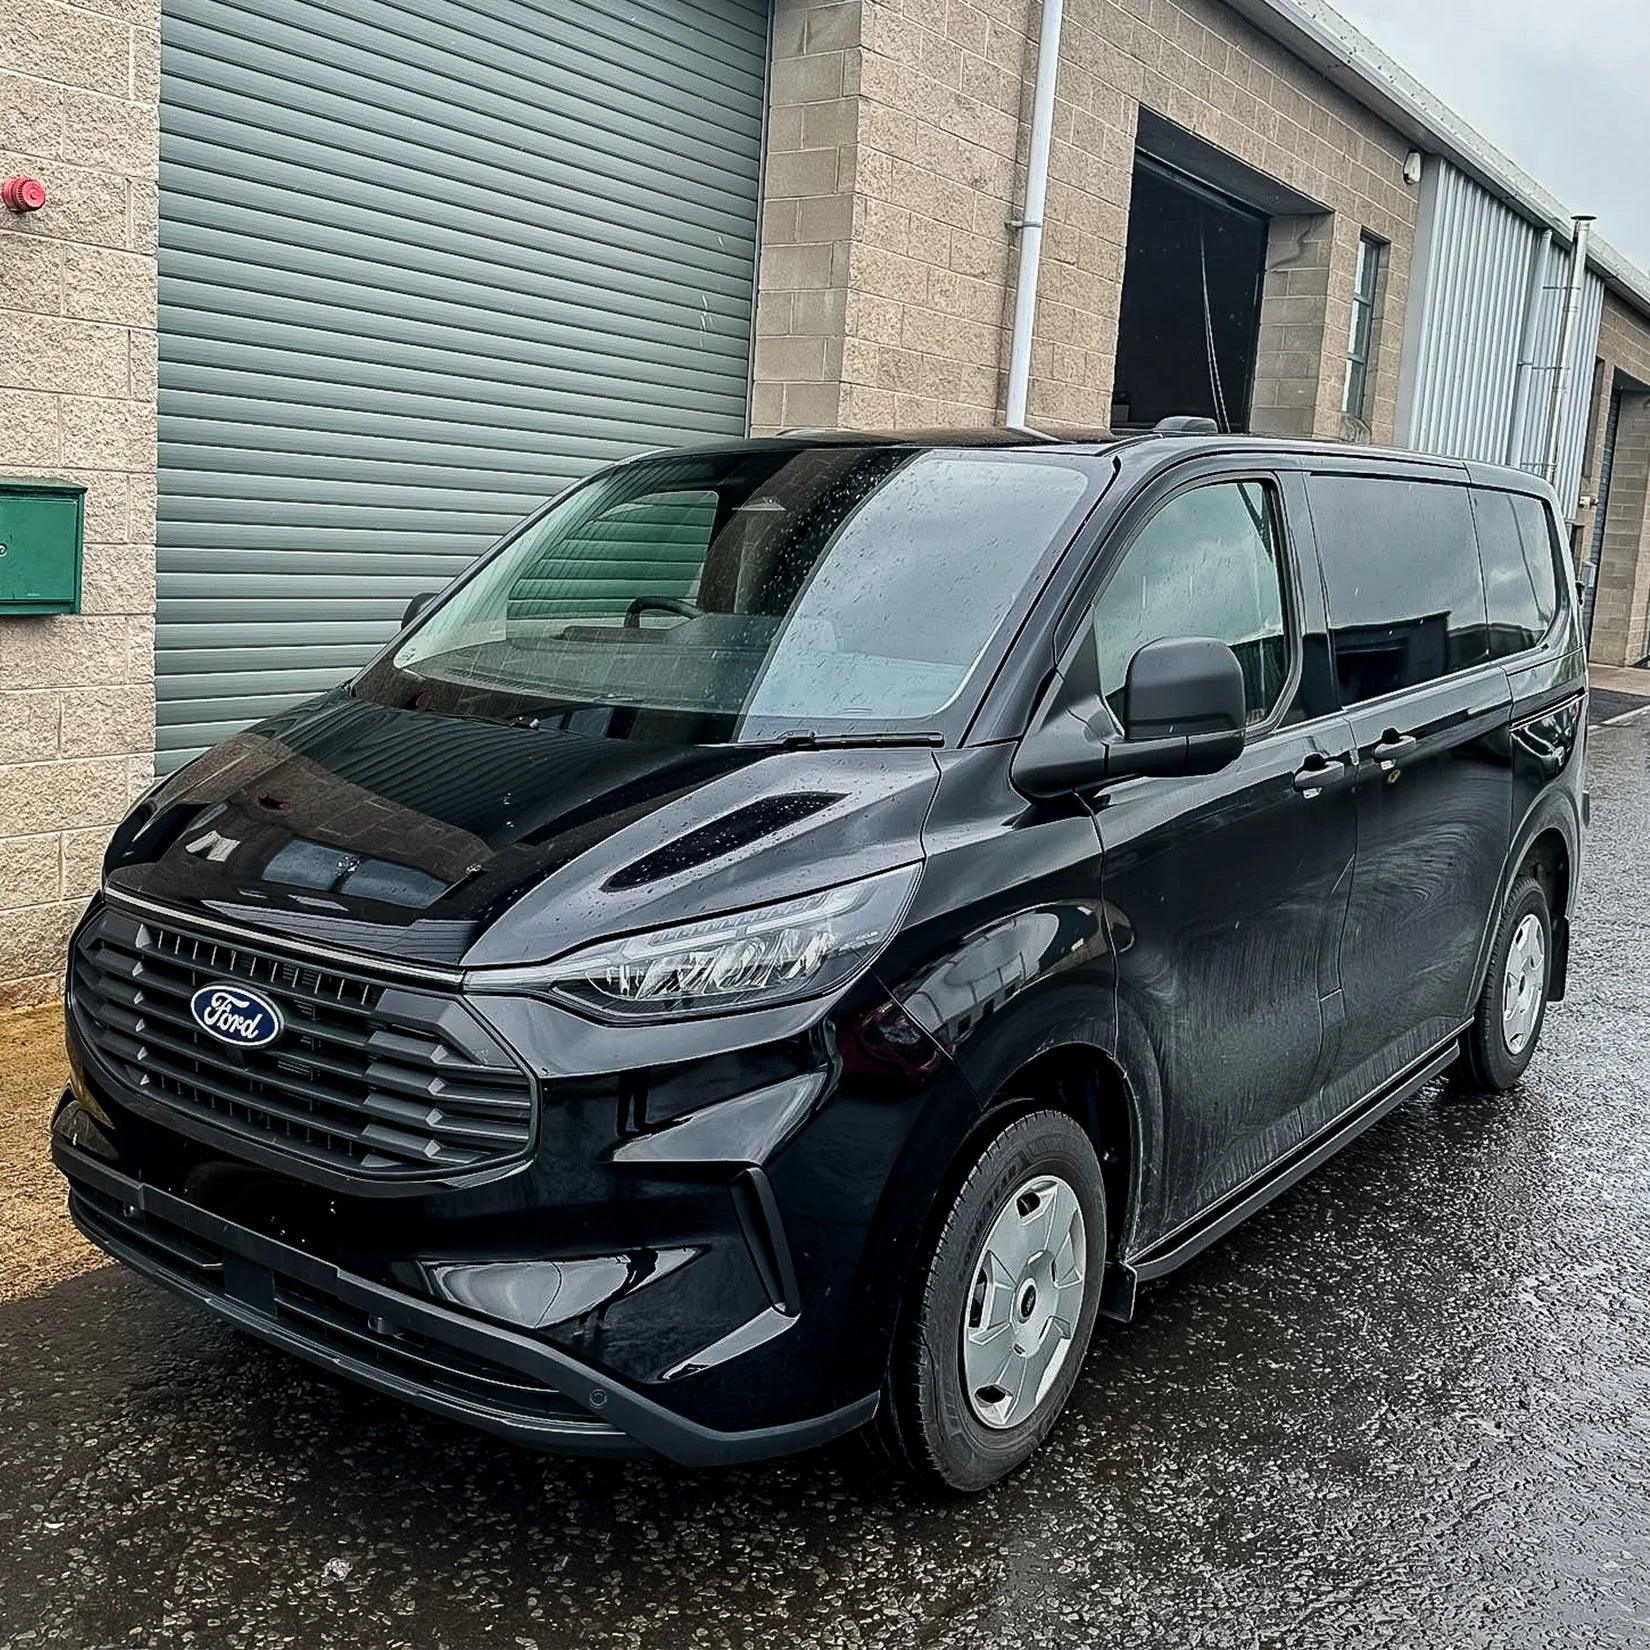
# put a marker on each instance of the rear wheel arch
(1547, 859)
(1545, 846)
(1490, 1062)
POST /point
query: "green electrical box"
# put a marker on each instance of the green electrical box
(41, 528)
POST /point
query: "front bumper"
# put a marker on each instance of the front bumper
(701, 1250)
(398, 1343)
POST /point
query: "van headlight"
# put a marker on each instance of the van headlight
(797, 948)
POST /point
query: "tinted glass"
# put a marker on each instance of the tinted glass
(1400, 567)
(708, 597)
(1207, 564)
(584, 574)
(1515, 544)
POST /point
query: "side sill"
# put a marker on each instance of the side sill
(1178, 1247)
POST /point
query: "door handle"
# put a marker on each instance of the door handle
(1318, 773)
(1390, 747)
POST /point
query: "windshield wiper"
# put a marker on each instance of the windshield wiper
(806, 740)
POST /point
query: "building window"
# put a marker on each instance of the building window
(1359, 341)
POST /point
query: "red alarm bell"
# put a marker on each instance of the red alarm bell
(23, 194)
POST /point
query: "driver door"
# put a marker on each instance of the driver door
(1227, 892)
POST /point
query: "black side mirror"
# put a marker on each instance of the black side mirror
(1183, 709)
(1183, 713)
(417, 606)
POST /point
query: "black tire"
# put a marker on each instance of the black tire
(1487, 1065)
(925, 1424)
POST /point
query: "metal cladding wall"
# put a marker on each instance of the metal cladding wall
(1485, 312)
(422, 263)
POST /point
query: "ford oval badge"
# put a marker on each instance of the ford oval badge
(235, 1015)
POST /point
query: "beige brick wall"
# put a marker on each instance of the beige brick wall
(1290, 358)
(1621, 612)
(807, 215)
(901, 126)
(78, 95)
(1623, 591)
(936, 182)
(1305, 328)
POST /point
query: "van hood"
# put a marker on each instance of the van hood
(453, 840)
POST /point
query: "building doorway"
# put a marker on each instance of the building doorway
(1190, 318)
(1601, 508)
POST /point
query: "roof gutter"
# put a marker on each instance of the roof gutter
(1369, 78)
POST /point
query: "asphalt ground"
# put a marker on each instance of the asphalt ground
(1407, 1405)
(1605, 705)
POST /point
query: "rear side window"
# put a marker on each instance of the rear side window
(1207, 564)
(1401, 574)
(1515, 545)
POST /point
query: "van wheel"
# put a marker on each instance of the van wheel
(1001, 1310)
(1500, 1043)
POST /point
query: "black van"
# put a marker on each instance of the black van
(804, 926)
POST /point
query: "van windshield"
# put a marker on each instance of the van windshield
(749, 595)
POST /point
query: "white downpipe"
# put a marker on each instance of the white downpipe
(1030, 225)
(1566, 346)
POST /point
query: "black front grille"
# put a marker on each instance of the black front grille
(379, 1079)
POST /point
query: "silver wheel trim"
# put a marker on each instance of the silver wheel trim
(1025, 1297)
(1524, 983)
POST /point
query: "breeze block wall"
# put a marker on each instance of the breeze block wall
(898, 136)
(79, 89)
(1621, 603)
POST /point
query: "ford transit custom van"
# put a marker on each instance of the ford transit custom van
(804, 926)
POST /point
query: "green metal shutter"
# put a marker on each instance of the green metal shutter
(421, 265)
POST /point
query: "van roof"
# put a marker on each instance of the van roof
(1093, 441)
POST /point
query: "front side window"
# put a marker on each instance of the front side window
(709, 597)
(1400, 568)
(1360, 342)
(1209, 563)
(1519, 556)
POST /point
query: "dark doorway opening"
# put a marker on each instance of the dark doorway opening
(1601, 508)
(1190, 321)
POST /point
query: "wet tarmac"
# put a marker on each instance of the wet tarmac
(1408, 1405)
(1607, 706)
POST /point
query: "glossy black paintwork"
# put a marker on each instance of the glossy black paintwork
(1434, 818)
(1187, 945)
(449, 840)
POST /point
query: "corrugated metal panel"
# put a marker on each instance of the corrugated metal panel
(422, 263)
(1481, 271)
(1572, 424)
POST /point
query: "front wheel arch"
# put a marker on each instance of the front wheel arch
(1082, 1081)
(1087, 1085)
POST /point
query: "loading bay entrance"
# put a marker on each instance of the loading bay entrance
(1215, 248)
(1190, 320)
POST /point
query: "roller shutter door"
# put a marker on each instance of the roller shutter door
(422, 264)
